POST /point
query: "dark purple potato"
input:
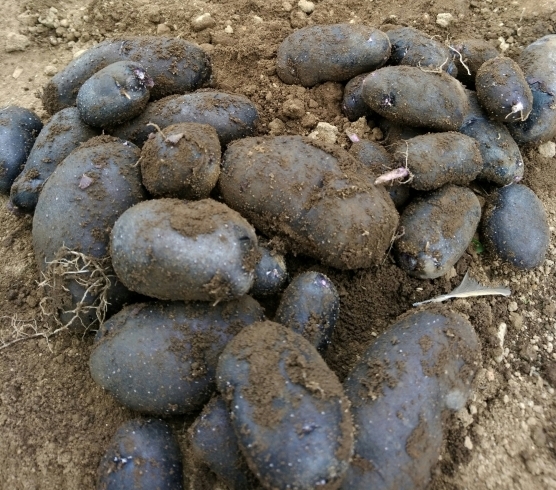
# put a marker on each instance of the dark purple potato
(18, 129)
(288, 408)
(310, 306)
(160, 358)
(396, 132)
(214, 444)
(142, 455)
(474, 52)
(515, 226)
(318, 201)
(502, 160)
(176, 66)
(503, 91)
(436, 159)
(330, 53)
(412, 47)
(270, 273)
(233, 116)
(437, 229)
(539, 66)
(422, 365)
(353, 105)
(114, 94)
(409, 96)
(181, 161)
(60, 136)
(192, 251)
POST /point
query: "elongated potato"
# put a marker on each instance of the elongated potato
(473, 52)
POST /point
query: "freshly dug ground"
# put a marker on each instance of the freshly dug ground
(55, 422)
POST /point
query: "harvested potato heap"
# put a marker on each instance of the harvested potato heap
(131, 214)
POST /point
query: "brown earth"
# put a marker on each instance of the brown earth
(55, 422)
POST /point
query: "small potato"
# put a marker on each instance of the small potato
(160, 358)
(394, 133)
(60, 136)
(143, 454)
(192, 251)
(473, 52)
(287, 408)
(419, 367)
(503, 91)
(114, 94)
(330, 53)
(407, 95)
(233, 116)
(18, 129)
(353, 105)
(270, 273)
(437, 230)
(183, 161)
(515, 226)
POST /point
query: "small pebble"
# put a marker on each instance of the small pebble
(202, 22)
(17, 72)
(548, 149)
(444, 19)
(229, 29)
(16, 42)
(294, 108)
(163, 29)
(306, 6)
(325, 132)
(50, 70)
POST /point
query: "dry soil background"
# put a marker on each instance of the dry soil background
(55, 422)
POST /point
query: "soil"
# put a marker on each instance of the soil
(56, 422)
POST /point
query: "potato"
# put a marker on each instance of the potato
(412, 47)
(312, 198)
(437, 230)
(143, 454)
(287, 407)
(270, 273)
(114, 94)
(473, 52)
(183, 161)
(330, 53)
(393, 132)
(539, 66)
(18, 129)
(436, 159)
(422, 365)
(353, 105)
(233, 116)
(515, 226)
(160, 358)
(407, 95)
(502, 160)
(192, 251)
(503, 91)
(60, 136)
(176, 66)
(310, 306)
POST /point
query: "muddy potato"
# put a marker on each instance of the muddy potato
(437, 229)
(160, 358)
(312, 198)
(502, 160)
(114, 94)
(192, 251)
(409, 96)
(502, 90)
(515, 226)
(182, 161)
(419, 367)
(175, 65)
(436, 159)
(287, 407)
(353, 105)
(143, 454)
(233, 116)
(58, 138)
(270, 273)
(310, 306)
(18, 129)
(473, 52)
(412, 47)
(393, 132)
(330, 53)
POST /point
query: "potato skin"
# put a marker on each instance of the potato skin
(142, 454)
(18, 129)
(58, 138)
(420, 366)
(315, 202)
(437, 229)
(474, 53)
(160, 358)
(330, 53)
(407, 95)
(270, 273)
(288, 408)
(353, 105)
(175, 65)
